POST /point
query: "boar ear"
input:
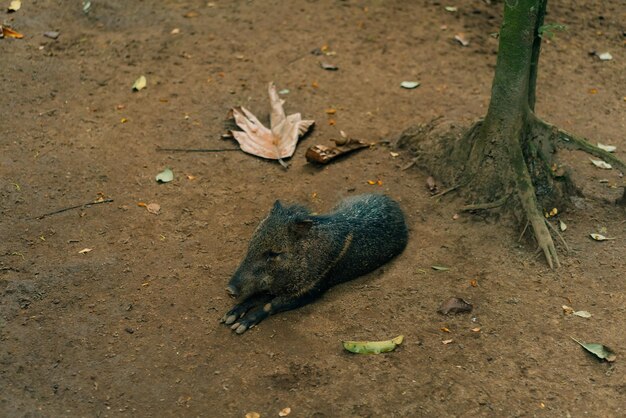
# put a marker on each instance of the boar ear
(302, 227)
(277, 206)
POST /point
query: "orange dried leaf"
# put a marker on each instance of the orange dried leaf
(10, 33)
(444, 329)
(330, 111)
(474, 283)
(141, 204)
(332, 122)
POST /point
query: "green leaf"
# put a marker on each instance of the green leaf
(409, 84)
(549, 29)
(601, 351)
(165, 176)
(372, 347)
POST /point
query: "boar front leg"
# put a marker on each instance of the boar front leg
(278, 304)
(240, 309)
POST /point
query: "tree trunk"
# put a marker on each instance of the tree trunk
(511, 152)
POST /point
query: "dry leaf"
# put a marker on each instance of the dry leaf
(322, 154)
(284, 412)
(607, 148)
(52, 34)
(583, 314)
(9, 33)
(455, 305)
(275, 143)
(446, 341)
(431, 184)
(474, 283)
(253, 415)
(14, 6)
(567, 310)
(85, 250)
(327, 66)
(599, 237)
(460, 38)
(477, 329)
(140, 83)
(601, 164)
(154, 208)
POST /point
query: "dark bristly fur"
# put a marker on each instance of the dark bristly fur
(294, 256)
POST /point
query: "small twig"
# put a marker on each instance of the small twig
(451, 189)
(523, 231)
(409, 165)
(283, 163)
(85, 205)
(558, 234)
(196, 149)
(485, 206)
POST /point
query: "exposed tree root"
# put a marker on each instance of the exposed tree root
(511, 151)
(558, 234)
(521, 178)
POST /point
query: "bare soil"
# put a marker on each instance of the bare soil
(131, 327)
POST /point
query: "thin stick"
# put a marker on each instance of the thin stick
(196, 149)
(485, 206)
(523, 231)
(86, 205)
(451, 189)
(558, 234)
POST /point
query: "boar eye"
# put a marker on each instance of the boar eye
(273, 255)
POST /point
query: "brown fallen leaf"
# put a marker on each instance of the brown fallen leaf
(455, 305)
(460, 38)
(275, 143)
(431, 184)
(7, 32)
(322, 154)
(154, 208)
(85, 250)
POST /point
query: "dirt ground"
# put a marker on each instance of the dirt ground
(131, 328)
